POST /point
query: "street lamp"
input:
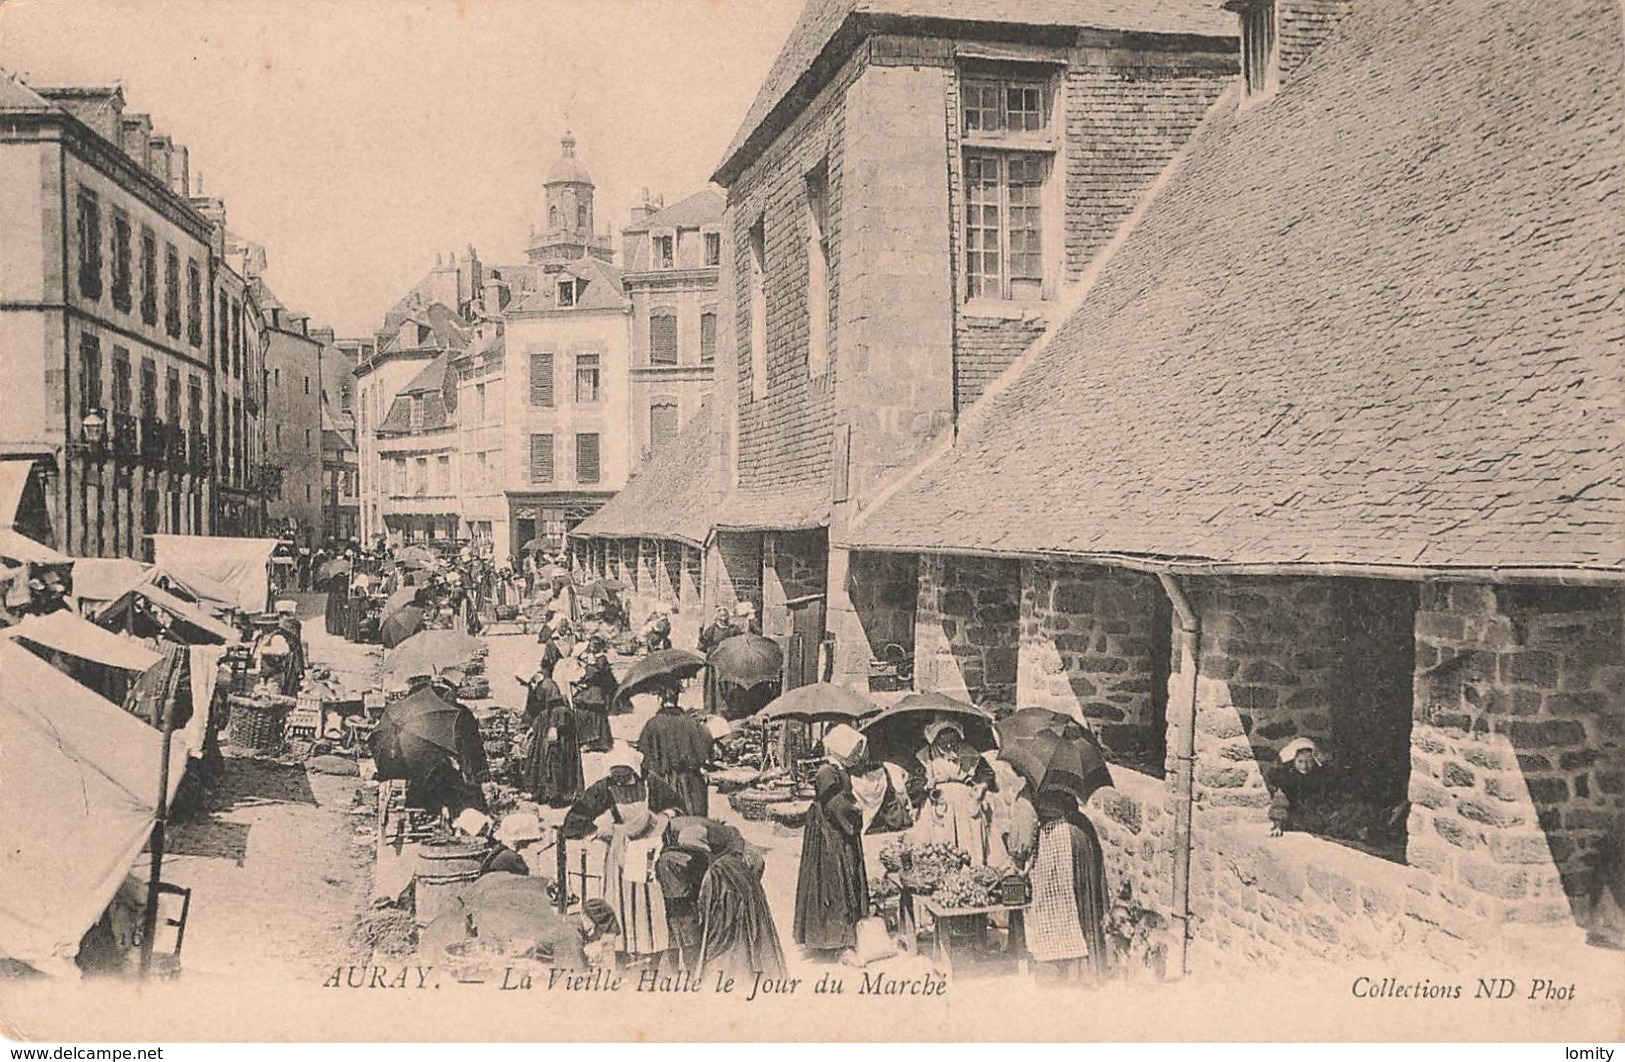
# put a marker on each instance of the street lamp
(92, 435)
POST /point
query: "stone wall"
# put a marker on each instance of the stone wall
(690, 576)
(967, 628)
(883, 589)
(793, 566)
(1095, 645)
(735, 569)
(985, 348)
(1517, 767)
(1134, 821)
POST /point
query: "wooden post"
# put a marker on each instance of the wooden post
(149, 920)
(563, 870)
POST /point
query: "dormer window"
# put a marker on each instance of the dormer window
(1257, 45)
(665, 255)
(568, 292)
(416, 414)
(713, 248)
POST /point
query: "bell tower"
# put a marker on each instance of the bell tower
(567, 231)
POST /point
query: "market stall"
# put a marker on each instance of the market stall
(242, 565)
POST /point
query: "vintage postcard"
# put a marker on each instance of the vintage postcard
(812, 519)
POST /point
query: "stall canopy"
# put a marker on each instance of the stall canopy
(239, 563)
(98, 580)
(64, 632)
(200, 627)
(78, 795)
(22, 499)
(19, 548)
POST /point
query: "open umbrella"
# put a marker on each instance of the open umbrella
(427, 652)
(400, 599)
(400, 625)
(329, 569)
(1053, 752)
(537, 545)
(662, 667)
(602, 588)
(747, 660)
(899, 731)
(553, 571)
(414, 735)
(819, 702)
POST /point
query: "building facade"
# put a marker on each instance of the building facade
(293, 423)
(107, 318)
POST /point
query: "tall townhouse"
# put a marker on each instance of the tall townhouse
(107, 323)
(293, 421)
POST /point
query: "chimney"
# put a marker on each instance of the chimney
(159, 157)
(180, 175)
(495, 297)
(100, 107)
(137, 138)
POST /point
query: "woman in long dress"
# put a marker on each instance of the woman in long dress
(676, 747)
(949, 785)
(553, 773)
(737, 933)
(832, 889)
(1065, 932)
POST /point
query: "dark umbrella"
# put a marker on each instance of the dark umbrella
(416, 734)
(899, 731)
(1053, 751)
(400, 625)
(602, 588)
(747, 660)
(536, 545)
(818, 702)
(664, 667)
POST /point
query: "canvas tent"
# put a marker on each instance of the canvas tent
(196, 626)
(78, 798)
(240, 564)
(64, 632)
(19, 548)
(98, 580)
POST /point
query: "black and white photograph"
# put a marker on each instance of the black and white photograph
(817, 520)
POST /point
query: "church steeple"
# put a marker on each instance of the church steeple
(567, 232)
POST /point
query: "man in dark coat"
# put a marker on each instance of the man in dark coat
(676, 747)
(832, 889)
(553, 772)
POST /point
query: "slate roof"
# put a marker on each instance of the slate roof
(447, 331)
(432, 385)
(822, 21)
(785, 510)
(603, 290)
(702, 208)
(1375, 320)
(673, 497)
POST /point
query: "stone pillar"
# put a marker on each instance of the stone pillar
(1517, 746)
(967, 628)
(1095, 645)
(691, 577)
(874, 610)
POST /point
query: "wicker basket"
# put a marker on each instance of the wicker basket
(257, 724)
(754, 804)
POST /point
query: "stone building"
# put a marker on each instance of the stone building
(1323, 449)
(671, 258)
(107, 320)
(912, 196)
(293, 420)
(239, 394)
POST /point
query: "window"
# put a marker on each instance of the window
(194, 303)
(1257, 46)
(818, 276)
(708, 337)
(149, 388)
(1003, 225)
(552, 217)
(307, 438)
(663, 336)
(420, 477)
(89, 231)
(223, 343)
(172, 397)
(587, 457)
(567, 292)
(587, 378)
(237, 454)
(442, 475)
(663, 255)
(276, 378)
(662, 424)
(541, 458)
(582, 219)
(279, 435)
(90, 374)
(479, 400)
(307, 492)
(483, 472)
(149, 277)
(999, 106)
(713, 248)
(121, 380)
(122, 297)
(416, 423)
(237, 340)
(194, 402)
(400, 485)
(758, 311)
(172, 291)
(541, 379)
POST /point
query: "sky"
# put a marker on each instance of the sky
(356, 139)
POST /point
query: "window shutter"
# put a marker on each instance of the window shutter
(541, 458)
(663, 338)
(587, 458)
(708, 337)
(662, 425)
(541, 379)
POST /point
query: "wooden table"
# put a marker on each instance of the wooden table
(945, 917)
